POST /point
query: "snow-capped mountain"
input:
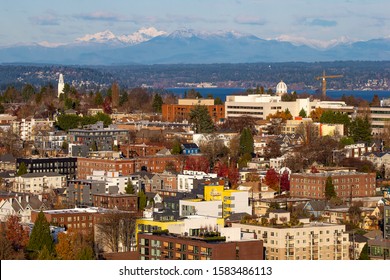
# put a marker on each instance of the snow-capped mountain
(151, 46)
(107, 36)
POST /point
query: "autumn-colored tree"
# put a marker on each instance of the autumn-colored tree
(313, 169)
(234, 175)
(15, 233)
(73, 245)
(316, 114)
(285, 181)
(197, 163)
(271, 179)
(284, 115)
(107, 105)
(221, 169)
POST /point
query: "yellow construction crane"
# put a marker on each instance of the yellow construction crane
(323, 78)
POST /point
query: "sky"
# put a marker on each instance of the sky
(316, 21)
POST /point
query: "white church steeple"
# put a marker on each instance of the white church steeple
(60, 85)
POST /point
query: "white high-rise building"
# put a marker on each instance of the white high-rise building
(60, 85)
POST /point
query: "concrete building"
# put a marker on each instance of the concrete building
(110, 178)
(386, 222)
(379, 117)
(347, 184)
(98, 138)
(80, 192)
(38, 183)
(260, 106)
(185, 181)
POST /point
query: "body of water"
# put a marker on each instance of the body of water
(336, 94)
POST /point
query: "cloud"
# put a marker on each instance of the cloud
(319, 22)
(103, 16)
(250, 20)
(45, 20)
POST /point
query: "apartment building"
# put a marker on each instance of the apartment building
(177, 247)
(63, 165)
(306, 241)
(27, 128)
(181, 111)
(38, 183)
(347, 184)
(123, 202)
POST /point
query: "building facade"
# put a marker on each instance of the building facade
(38, 183)
(176, 247)
(310, 241)
(181, 111)
(347, 184)
(63, 165)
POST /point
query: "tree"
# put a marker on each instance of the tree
(129, 189)
(302, 113)
(233, 175)
(114, 228)
(98, 100)
(6, 250)
(157, 103)
(316, 114)
(285, 181)
(329, 189)
(22, 169)
(176, 147)
(271, 179)
(15, 233)
(218, 101)
(40, 237)
(375, 101)
(74, 245)
(364, 253)
(272, 150)
(201, 119)
(355, 212)
(142, 200)
(360, 129)
(246, 142)
(197, 163)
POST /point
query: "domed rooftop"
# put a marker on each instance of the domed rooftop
(281, 88)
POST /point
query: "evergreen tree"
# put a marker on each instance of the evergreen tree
(360, 129)
(200, 117)
(129, 189)
(218, 101)
(329, 189)
(246, 142)
(22, 169)
(364, 253)
(40, 237)
(302, 113)
(142, 200)
(157, 103)
(176, 148)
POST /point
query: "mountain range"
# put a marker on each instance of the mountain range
(151, 46)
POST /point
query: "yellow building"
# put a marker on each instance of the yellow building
(233, 201)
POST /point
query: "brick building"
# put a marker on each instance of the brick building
(181, 111)
(346, 184)
(124, 202)
(136, 150)
(77, 218)
(176, 247)
(155, 164)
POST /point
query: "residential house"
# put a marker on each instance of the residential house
(190, 148)
(22, 206)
